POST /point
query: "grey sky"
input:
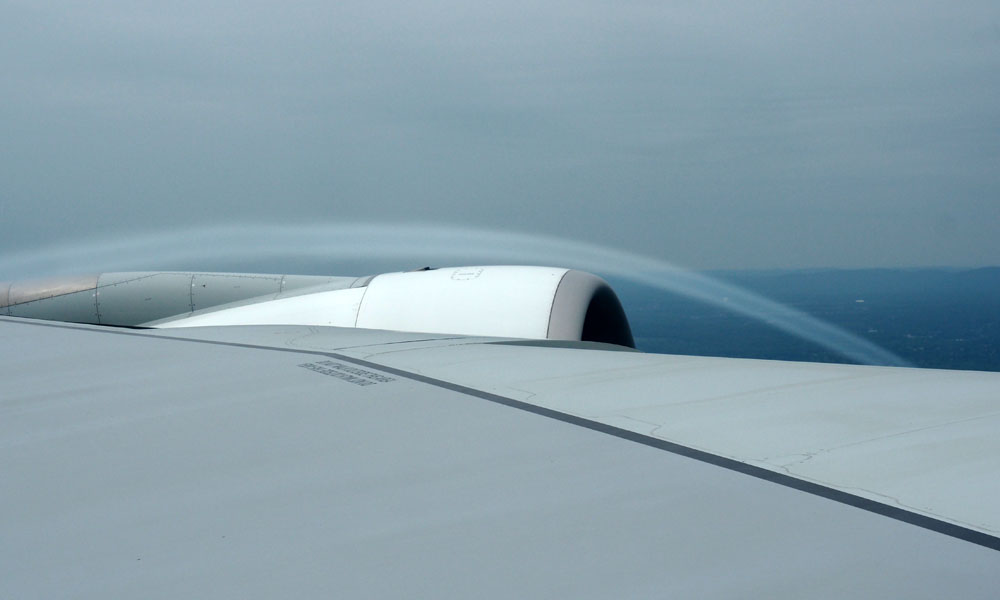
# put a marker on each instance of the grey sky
(713, 135)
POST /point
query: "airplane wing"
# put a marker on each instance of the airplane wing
(296, 459)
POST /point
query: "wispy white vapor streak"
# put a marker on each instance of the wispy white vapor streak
(414, 245)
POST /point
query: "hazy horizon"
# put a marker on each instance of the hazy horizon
(714, 136)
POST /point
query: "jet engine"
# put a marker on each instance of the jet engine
(495, 301)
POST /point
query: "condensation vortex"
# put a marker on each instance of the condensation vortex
(415, 244)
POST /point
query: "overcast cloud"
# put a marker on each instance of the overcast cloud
(714, 135)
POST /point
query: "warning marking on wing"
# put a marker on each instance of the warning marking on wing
(348, 373)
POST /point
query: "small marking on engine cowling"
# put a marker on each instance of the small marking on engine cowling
(348, 373)
(466, 274)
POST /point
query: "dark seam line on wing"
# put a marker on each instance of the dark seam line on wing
(893, 512)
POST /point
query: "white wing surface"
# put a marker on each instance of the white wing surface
(265, 461)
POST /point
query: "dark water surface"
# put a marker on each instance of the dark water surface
(933, 318)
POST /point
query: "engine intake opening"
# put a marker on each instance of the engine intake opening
(605, 320)
(585, 308)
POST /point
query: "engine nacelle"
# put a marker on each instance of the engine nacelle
(493, 301)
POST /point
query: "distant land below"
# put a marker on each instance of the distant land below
(932, 318)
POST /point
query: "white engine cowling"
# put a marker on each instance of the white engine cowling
(495, 301)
